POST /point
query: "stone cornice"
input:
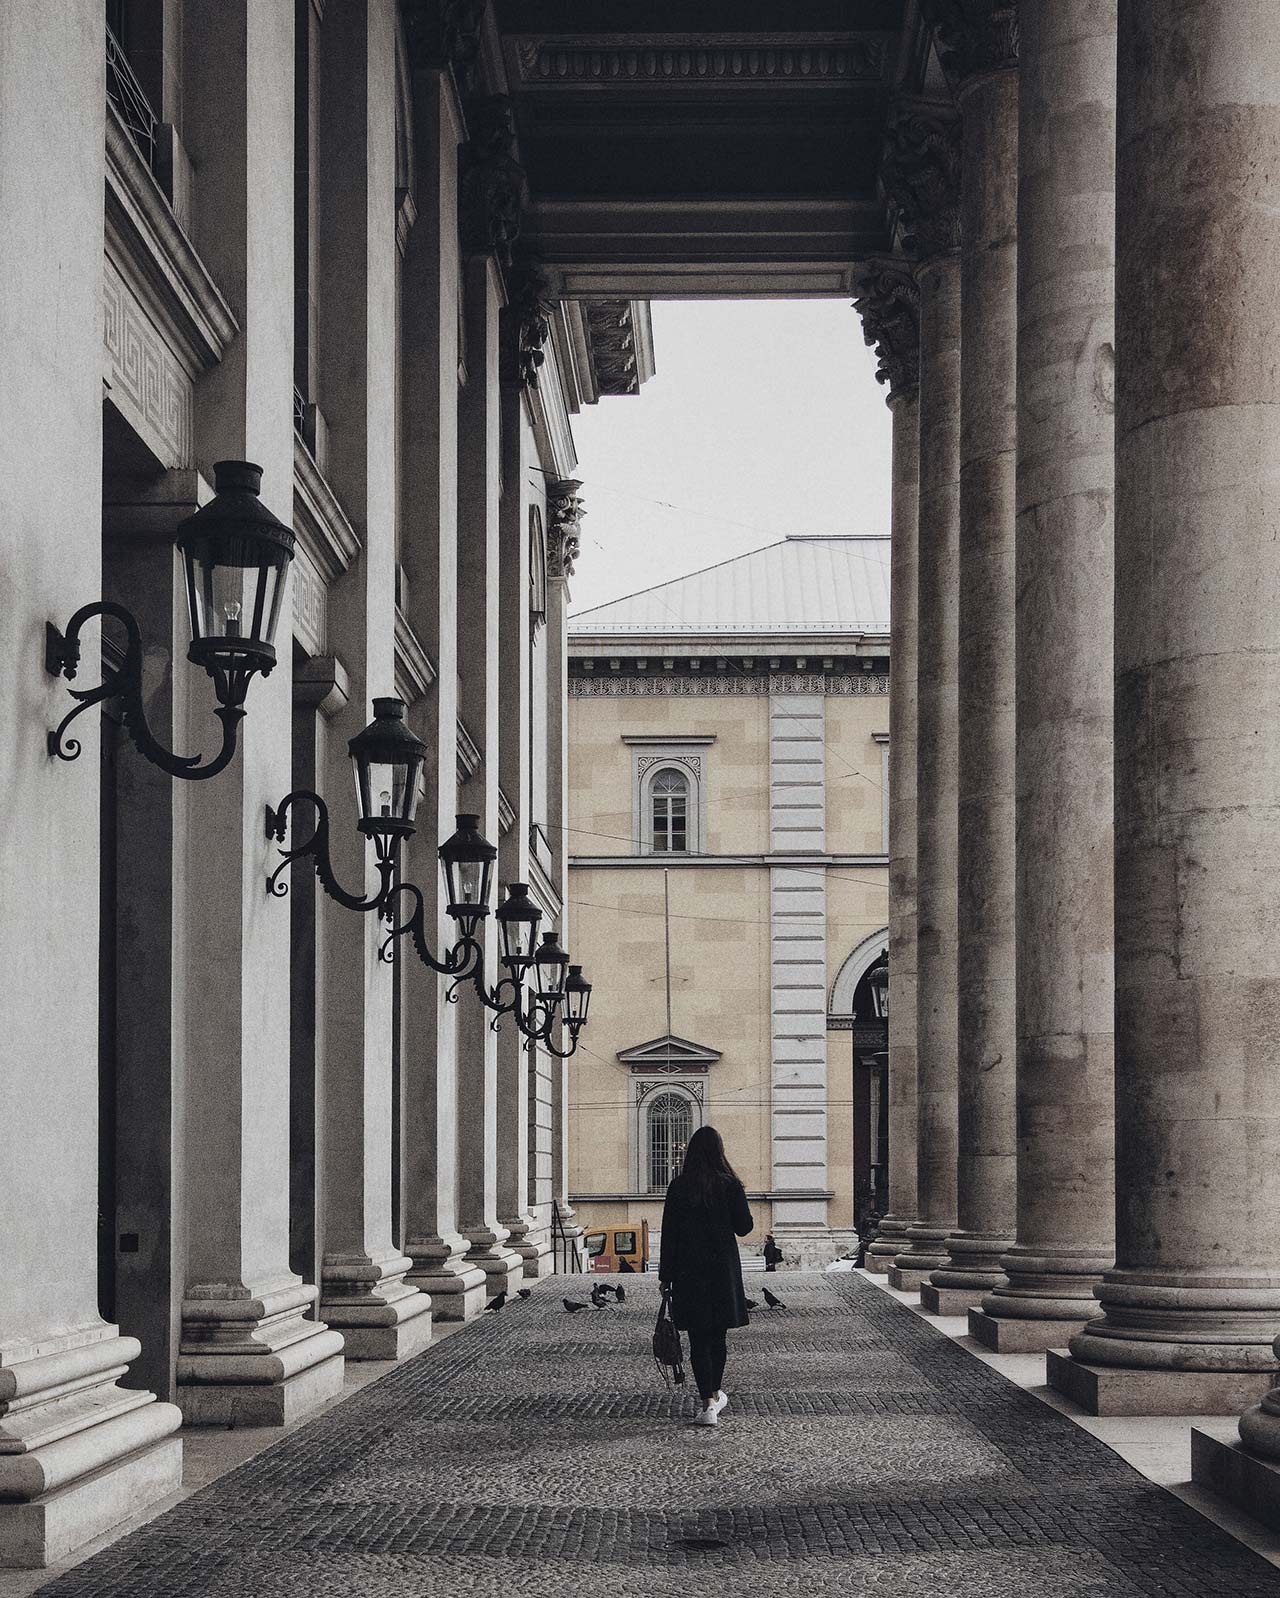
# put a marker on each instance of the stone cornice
(888, 301)
(920, 172)
(975, 36)
(318, 518)
(415, 670)
(565, 511)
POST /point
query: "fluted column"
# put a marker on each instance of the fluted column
(1066, 222)
(889, 304)
(979, 43)
(922, 169)
(1193, 1303)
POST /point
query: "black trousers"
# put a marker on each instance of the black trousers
(707, 1354)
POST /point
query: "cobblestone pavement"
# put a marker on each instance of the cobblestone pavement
(537, 1454)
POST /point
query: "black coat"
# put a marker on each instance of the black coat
(700, 1260)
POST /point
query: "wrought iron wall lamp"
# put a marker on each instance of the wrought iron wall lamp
(235, 553)
(387, 759)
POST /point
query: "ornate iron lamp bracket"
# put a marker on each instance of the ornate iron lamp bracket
(317, 848)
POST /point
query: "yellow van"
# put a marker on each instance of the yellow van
(608, 1246)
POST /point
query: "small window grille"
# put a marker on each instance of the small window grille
(670, 1128)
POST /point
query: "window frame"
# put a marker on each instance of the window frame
(650, 766)
(691, 1112)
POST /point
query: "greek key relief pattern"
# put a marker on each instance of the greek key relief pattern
(143, 372)
(800, 682)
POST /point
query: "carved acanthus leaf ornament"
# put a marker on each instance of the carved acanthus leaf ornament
(975, 36)
(889, 304)
(528, 322)
(565, 510)
(495, 189)
(921, 175)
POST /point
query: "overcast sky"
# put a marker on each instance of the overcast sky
(764, 419)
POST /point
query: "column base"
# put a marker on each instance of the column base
(457, 1290)
(380, 1315)
(1221, 1463)
(255, 1361)
(906, 1281)
(49, 1528)
(890, 1241)
(78, 1453)
(532, 1243)
(1124, 1390)
(503, 1269)
(971, 1272)
(1004, 1334)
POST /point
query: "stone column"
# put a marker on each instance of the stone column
(564, 514)
(77, 1451)
(922, 171)
(363, 1291)
(889, 303)
(514, 763)
(1192, 1306)
(429, 557)
(479, 650)
(979, 48)
(249, 1353)
(1066, 223)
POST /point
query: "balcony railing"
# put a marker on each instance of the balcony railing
(126, 94)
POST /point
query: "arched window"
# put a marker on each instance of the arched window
(669, 1130)
(669, 812)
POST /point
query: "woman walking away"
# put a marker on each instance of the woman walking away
(705, 1214)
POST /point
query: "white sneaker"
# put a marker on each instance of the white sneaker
(706, 1417)
(719, 1401)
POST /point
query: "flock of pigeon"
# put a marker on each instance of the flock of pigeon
(600, 1297)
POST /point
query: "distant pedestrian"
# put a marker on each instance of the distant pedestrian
(705, 1214)
(772, 1254)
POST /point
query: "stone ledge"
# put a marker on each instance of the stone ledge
(1221, 1464)
(1124, 1390)
(949, 1300)
(1007, 1334)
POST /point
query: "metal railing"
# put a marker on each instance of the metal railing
(131, 103)
(566, 1257)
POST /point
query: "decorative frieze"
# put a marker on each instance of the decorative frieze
(921, 175)
(888, 301)
(565, 510)
(613, 345)
(975, 36)
(641, 59)
(679, 684)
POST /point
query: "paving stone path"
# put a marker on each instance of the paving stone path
(537, 1455)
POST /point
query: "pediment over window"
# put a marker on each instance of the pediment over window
(670, 1055)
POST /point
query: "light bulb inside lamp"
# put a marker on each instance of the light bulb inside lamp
(384, 802)
(231, 618)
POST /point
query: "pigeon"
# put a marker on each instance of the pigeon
(621, 1293)
(772, 1302)
(752, 1304)
(598, 1296)
(495, 1303)
(524, 1292)
(571, 1306)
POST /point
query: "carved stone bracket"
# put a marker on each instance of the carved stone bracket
(565, 510)
(494, 188)
(613, 343)
(921, 175)
(975, 36)
(889, 304)
(527, 322)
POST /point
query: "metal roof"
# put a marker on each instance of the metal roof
(802, 585)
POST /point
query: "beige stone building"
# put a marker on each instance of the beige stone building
(728, 748)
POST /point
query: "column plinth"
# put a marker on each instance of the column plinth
(378, 1312)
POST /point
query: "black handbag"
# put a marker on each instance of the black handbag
(668, 1351)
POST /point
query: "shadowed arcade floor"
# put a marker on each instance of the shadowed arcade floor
(537, 1453)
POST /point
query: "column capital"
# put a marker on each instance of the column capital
(920, 170)
(494, 186)
(888, 301)
(565, 510)
(975, 36)
(444, 36)
(526, 320)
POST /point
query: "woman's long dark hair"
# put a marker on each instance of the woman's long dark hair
(706, 1168)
